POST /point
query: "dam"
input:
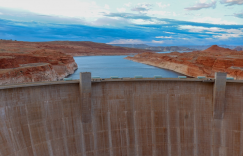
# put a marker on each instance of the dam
(123, 117)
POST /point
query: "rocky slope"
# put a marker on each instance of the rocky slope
(197, 63)
(40, 65)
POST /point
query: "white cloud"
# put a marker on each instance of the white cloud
(169, 32)
(140, 21)
(145, 21)
(128, 4)
(239, 15)
(219, 32)
(183, 38)
(127, 41)
(192, 14)
(232, 2)
(203, 1)
(154, 41)
(109, 22)
(163, 37)
(72, 8)
(202, 5)
(199, 28)
(162, 5)
(212, 20)
(142, 7)
(107, 6)
(121, 9)
(1, 13)
(230, 33)
(226, 36)
(156, 13)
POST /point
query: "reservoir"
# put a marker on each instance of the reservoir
(107, 66)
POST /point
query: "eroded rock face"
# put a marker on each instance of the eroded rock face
(40, 65)
(197, 63)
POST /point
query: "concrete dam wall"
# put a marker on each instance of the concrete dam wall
(167, 117)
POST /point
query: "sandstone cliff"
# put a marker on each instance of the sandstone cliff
(40, 65)
(197, 63)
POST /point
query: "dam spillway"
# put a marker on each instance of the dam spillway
(134, 117)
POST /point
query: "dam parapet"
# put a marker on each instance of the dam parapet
(126, 116)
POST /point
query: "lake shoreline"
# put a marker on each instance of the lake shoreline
(159, 67)
(110, 65)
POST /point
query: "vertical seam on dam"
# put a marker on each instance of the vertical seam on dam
(168, 125)
(195, 132)
(153, 134)
(83, 140)
(31, 140)
(109, 131)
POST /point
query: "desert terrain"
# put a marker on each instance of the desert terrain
(39, 65)
(197, 63)
(22, 62)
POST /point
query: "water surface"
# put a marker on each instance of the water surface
(107, 66)
(172, 51)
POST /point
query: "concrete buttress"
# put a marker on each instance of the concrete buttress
(219, 95)
(85, 94)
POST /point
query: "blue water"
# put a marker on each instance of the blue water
(171, 51)
(107, 66)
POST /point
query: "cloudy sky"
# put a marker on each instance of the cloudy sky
(153, 22)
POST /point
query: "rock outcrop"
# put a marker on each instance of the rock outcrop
(197, 63)
(40, 65)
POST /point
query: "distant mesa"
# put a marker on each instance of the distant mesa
(86, 48)
(173, 48)
(156, 48)
(239, 48)
(216, 48)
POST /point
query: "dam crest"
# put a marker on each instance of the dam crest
(123, 117)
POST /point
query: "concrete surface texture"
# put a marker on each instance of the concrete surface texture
(128, 118)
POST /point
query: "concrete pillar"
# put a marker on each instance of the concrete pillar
(219, 95)
(85, 94)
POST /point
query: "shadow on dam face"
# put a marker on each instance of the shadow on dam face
(127, 118)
